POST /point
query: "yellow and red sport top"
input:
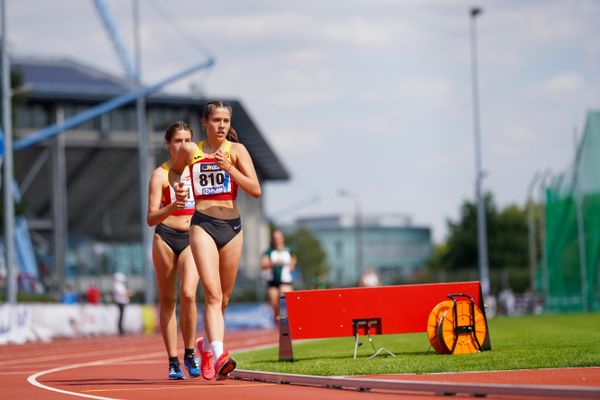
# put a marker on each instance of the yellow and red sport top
(209, 181)
(168, 195)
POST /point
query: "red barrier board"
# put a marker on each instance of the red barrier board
(400, 309)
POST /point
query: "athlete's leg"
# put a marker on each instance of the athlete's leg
(206, 257)
(166, 277)
(229, 261)
(285, 287)
(188, 275)
(273, 296)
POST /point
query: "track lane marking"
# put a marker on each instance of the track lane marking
(181, 387)
(32, 379)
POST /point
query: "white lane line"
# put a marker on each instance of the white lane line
(184, 387)
(32, 379)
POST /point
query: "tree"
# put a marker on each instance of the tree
(311, 256)
(507, 245)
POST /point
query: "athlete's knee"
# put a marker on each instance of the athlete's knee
(168, 303)
(188, 297)
(213, 296)
(225, 302)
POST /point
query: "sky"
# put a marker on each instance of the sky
(370, 97)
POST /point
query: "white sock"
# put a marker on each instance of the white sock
(217, 349)
(205, 343)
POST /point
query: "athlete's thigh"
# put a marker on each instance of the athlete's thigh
(285, 287)
(206, 256)
(164, 265)
(229, 257)
(188, 272)
(273, 294)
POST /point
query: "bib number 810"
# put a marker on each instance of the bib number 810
(216, 179)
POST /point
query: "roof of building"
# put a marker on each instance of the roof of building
(50, 80)
(62, 75)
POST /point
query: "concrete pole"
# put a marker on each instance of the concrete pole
(145, 157)
(358, 243)
(484, 274)
(8, 176)
(59, 204)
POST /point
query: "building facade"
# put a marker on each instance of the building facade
(390, 245)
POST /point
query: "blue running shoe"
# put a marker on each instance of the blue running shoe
(192, 366)
(175, 372)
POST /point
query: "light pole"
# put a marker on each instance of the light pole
(484, 274)
(357, 230)
(8, 173)
(144, 159)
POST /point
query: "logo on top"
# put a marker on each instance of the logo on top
(214, 190)
(209, 167)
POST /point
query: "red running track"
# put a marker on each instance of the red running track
(135, 367)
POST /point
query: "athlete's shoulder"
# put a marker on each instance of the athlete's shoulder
(159, 176)
(238, 149)
(268, 251)
(160, 170)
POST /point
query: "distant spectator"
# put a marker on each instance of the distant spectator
(120, 296)
(369, 278)
(278, 262)
(507, 301)
(93, 294)
(68, 296)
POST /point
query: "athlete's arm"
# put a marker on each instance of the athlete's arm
(183, 158)
(265, 262)
(242, 170)
(156, 214)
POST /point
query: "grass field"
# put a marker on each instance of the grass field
(528, 342)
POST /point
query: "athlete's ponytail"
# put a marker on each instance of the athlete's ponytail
(232, 135)
(208, 110)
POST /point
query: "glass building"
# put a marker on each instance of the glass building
(389, 244)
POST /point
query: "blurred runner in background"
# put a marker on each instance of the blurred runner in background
(172, 255)
(278, 262)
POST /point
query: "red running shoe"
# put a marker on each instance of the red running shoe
(206, 361)
(224, 365)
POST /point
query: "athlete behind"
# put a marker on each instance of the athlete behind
(278, 261)
(219, 165)
(172, 255)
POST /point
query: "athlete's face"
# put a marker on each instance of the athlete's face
(278, 240)
(177, 140)
(218, 123)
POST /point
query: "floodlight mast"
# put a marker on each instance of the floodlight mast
(484, 274)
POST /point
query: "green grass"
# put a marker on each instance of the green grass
(528, 342)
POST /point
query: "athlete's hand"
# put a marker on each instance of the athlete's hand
(222, 161)
(181, 195)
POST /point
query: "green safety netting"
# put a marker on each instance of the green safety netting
(569, 276)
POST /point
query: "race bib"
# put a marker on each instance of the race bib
(209, 179)
(187, 185)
